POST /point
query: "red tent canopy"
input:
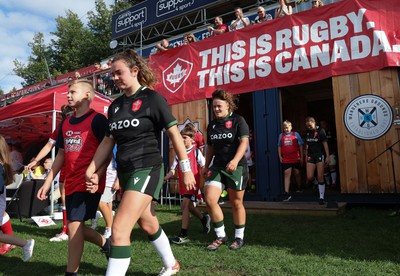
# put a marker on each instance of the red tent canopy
(30, 119)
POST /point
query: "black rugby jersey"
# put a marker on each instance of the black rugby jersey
(224, 135)
(314, 139)
(135, 123)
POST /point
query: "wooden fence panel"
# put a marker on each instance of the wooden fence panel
(357, 175)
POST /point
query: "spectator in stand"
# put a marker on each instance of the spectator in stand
(108, 64)
(47, 166)
(220, 27)
(97, 67)
(163, 46)
(240, 22)
(16, 157)
(77, 75)
(317, 3)
(283, 9)
(189, 38)
(262, 16)
(35, 172)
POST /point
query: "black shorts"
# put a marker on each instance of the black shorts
(192, 197)
(315, 158)
(82, 206)
(286, 166)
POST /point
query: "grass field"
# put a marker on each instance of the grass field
(362, 241)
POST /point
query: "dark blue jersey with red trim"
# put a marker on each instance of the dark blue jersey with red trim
(135, 123)
(224, 136)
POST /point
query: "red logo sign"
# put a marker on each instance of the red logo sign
(228, 124)
(209, 173)
(176, 74)
(136, 105)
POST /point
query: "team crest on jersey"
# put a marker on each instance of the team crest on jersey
(228, 124)
(136, 105)
(176, 74)
(73, 144)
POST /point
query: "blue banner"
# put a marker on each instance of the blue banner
(148, 13)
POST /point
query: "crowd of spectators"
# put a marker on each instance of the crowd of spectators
(241, 21)
(102, 77)
(105, 84)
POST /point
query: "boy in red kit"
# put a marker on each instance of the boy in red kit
(290, 151)
(78, 140)
(65, 112)
(197, 160)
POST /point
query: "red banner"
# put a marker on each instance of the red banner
(342, 38)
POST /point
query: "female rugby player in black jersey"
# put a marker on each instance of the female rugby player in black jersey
(135, 121)
(227, 141)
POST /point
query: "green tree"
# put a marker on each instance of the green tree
(36, 69)
(123, 5)
(71, 40)
(99, 25)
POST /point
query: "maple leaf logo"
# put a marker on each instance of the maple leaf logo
(176, 74)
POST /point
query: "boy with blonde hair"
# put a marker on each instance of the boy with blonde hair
(78, 140)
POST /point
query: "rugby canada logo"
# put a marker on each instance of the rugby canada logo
(176, 74)
(368, 117)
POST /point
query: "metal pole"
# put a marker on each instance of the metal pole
(53, 155)
(141, 38)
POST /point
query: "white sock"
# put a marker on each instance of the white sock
(220, 231)
(163, 248)
(334, 176)
(327, 179)
(321, 189)
(6, 218)
(117, 267)
(239, 233)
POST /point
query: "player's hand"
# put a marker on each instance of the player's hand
(204, 172)
(231, 166)
(30, 165)
(42, 193)
(93, 184)
(188, 180)
(327, 160)
(115, 186)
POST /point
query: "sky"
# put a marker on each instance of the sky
(20, 20)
